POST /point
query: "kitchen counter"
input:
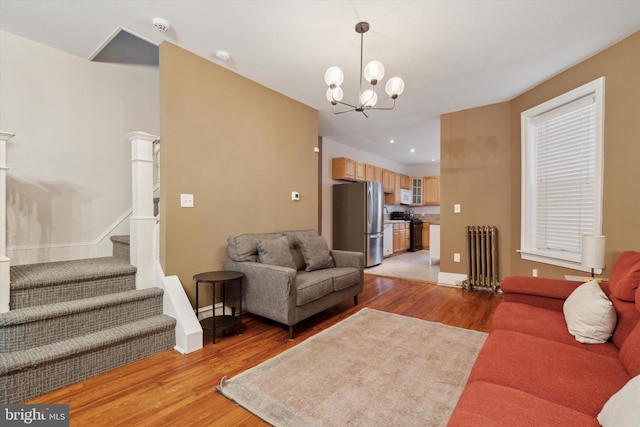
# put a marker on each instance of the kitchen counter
(395, 221)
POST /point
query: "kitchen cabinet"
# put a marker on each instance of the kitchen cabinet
(425, 236)
(360, 171)
(343, 168)
(388, 181)
(431, 191)
(405, 182)
(372, 173)
(416, 191)
(401, 237)
(394, 198)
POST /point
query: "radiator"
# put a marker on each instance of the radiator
(482, 257)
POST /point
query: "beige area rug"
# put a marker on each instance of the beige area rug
(371, 369)
(409, 265)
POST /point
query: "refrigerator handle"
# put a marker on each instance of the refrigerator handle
(369, 206)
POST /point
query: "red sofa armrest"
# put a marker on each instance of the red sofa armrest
(538, 291)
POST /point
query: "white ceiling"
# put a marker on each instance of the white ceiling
(452, 55)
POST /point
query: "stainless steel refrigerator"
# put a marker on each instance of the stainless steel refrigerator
(357, 219)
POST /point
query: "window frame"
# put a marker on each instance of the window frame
(528, 250)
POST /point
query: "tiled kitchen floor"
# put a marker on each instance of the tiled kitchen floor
(409, 265)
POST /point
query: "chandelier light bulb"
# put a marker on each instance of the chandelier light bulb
(335, 94)
(374, 72)
(334, 76)
(394, 87)
(368, 98)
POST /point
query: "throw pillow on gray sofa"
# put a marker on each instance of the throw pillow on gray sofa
(315, 251)
(275, 252)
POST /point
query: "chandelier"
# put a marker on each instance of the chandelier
(373, 74)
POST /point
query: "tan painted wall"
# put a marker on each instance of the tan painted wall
(240, 149)
(474, 172)
(620, 65)
(474, 141)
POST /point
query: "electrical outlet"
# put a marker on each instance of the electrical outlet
(456, 257)
(186, 200)
(534, 273)
(456, 208)
(295, 196)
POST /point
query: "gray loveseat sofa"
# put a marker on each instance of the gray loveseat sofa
(292, 275)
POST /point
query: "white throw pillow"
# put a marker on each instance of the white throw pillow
(589, 314)
(623, 408)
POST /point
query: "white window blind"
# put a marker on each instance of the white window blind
(562, 175)
(565, 160)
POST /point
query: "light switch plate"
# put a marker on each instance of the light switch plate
(186, 200)
(456, 208)
(456, 257)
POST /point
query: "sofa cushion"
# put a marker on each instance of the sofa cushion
(553, 371)
(244, 247)
(486, 404)
(275, 252)
(542, 323)
(589, 314)
(625, 276)
(630, 352)
(313, 285)
(315, 251)
(623, 408)
(344, 277)
(296, 253)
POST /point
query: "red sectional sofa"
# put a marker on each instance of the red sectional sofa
(532, 372)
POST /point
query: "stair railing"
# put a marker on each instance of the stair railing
(4, 260)
(143, 241)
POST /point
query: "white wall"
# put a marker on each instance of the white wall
(70, 173)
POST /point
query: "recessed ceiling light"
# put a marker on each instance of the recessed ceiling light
(413, 150)
(433, 160)
(161, 25)
(391, 141)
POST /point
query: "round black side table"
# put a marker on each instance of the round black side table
(224, 321)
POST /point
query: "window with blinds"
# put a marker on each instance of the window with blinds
(562, 175)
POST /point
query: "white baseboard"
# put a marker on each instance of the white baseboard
(451, 279)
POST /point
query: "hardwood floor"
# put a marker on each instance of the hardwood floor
(173, 389)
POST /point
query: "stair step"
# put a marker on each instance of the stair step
(35, 371)
(121, 247)
(53, 282)
(36, 326)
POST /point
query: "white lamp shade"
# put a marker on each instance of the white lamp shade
(334, 76)
(335, 94)
(368, 98)
(374, 72)
(593, 251)
(394, 87)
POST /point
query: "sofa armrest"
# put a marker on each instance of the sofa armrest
(348, 259)
(537, 291)
(268, 290)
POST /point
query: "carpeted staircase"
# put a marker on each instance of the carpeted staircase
(72, 320)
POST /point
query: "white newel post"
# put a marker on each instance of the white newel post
(143, 223)
(4, 260)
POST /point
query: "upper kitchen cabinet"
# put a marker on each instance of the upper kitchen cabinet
(360, 171)
(417, 191)
(372, 173)
(431, 191)
(405, 182)
(343, 168)
(388, 181)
